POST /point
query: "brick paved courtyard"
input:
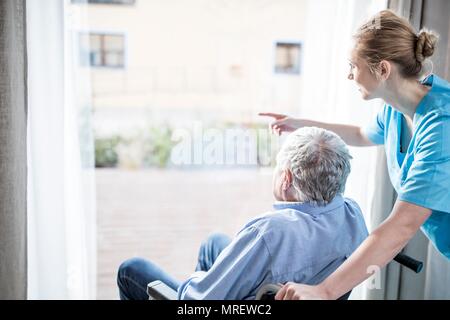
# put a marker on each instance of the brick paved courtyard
(163, 215)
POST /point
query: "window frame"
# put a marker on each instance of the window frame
(295, 42)
(103, 33)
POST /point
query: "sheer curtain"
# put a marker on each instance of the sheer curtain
(61, 191)
(328, 95)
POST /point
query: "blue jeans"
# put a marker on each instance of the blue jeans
(134, 274)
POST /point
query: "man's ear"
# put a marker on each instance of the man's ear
(385, 69)
(287, 179)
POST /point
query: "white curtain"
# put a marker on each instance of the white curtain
(61, 190)
(328, 95)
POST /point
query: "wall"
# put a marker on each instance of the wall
(203, 59)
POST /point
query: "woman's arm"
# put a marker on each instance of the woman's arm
(352, 135)
(378, 249)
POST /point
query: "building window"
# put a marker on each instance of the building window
(102, 50)
(287, 57)
(127, 2)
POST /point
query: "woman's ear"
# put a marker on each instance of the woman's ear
(385, 69)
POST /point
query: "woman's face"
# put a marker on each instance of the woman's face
(366, 81)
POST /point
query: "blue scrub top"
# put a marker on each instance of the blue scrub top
(421, 175)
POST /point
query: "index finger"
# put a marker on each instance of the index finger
(277, 116)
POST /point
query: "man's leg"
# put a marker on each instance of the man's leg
(210, 250)
(134, 275)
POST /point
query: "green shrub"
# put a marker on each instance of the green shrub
(157, 146)
(105, 152)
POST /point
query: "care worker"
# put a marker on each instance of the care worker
(386, 62)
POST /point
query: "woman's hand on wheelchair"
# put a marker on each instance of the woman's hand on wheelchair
(296, 291)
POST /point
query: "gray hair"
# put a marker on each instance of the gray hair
(319, 162)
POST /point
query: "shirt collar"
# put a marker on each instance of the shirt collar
(435, 84)
(309, 208)
(428, 80)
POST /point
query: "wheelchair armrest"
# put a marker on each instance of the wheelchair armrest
(267, 292)
(158, 290)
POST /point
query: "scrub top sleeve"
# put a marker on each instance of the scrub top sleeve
(428, 185)
(427, 182)
(375, 130)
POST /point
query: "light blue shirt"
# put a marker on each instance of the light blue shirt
(296, 242)
(421, 175)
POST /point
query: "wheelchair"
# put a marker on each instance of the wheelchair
(158, 290)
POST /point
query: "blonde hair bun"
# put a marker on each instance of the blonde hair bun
(426, 43)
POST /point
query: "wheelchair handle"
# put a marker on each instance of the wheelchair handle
(268, 291)
(409, 262)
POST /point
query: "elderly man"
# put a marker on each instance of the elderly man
(310, 232)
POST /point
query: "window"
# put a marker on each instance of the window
(126, 2)
(287, 57)
(102, 50)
